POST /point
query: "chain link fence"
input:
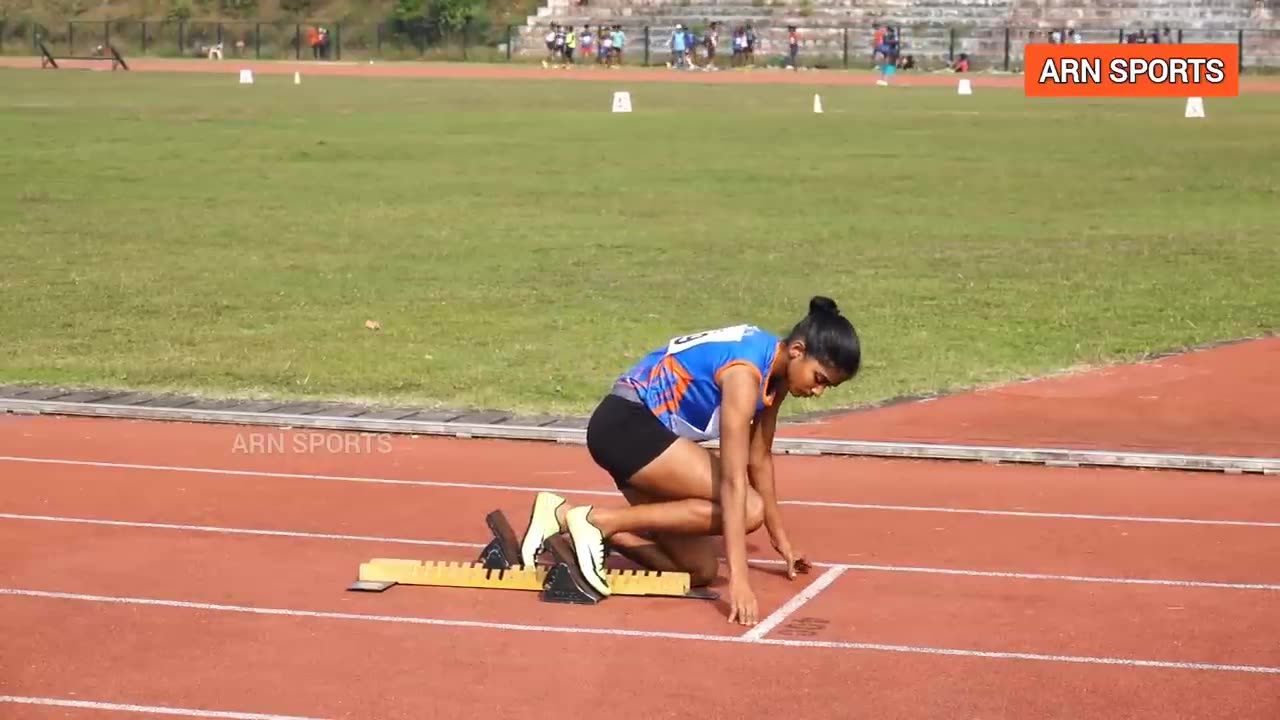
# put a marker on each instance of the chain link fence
(933, 47)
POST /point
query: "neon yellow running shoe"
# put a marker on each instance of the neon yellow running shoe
(588, 543)
(542, 525)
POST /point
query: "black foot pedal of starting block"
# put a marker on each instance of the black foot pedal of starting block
(369, 586)
(565, 582)
(503, 551)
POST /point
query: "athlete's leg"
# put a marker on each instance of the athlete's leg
(681, 478)
(693, 554)
(643, 551)
(684, 484)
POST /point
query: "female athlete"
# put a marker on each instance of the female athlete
(727, 384)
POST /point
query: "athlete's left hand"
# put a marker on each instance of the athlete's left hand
(795, 561)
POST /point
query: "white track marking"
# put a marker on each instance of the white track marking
(614, 493)
(1031, 514)
(237, 531)
(777, 617)
(1029, 576)
(753, 561)
(1056, 578)
(660, 635)
(149, 709)
(304, 476)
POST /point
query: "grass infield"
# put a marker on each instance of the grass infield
(519, 244)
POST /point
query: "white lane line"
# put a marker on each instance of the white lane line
(614, 632)
(614, 493)
(302, 476)
(1060, 578)
(1031, 514)
(777, 617)
(148, 709)
(753, 561)
(236, 531)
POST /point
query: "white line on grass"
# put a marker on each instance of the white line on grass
(765, 562)
(148, 709)
(614, 632)
(614, 493)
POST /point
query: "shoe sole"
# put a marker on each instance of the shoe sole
(529, 548)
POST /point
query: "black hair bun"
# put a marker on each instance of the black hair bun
(820, 304)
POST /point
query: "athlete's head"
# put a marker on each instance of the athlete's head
(822, 350)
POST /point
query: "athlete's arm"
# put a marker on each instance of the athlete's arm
(739, 387)
(760, 466)
(760, 470)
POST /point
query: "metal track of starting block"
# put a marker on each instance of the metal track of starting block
(499, 567)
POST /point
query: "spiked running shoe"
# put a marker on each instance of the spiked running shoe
(588, 543)
(542, 525)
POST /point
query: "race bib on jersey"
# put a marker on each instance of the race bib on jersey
(728, 334)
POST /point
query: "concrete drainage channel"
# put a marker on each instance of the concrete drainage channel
(496, 425)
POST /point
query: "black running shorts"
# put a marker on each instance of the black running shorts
(623, 436)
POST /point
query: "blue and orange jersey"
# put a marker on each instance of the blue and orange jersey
(679, 382)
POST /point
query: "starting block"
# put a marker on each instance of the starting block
(500, 567)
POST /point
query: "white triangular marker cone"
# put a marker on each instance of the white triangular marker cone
(297, 78)
(246, 77)
(965, 87)
(1195, 107)
(622, 101)
(817, 103)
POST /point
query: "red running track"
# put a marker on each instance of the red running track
(480, 71)
(1222, 401)
(208, 613)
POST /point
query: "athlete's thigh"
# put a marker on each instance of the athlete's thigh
(698, 555)
(684, 470)
(687, 470)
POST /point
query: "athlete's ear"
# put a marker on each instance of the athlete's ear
(796, 349)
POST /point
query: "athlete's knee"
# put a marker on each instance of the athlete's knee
(755, 511)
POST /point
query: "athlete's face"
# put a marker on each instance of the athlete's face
(806, 377)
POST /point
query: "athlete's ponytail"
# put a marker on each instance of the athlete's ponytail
(829, 337)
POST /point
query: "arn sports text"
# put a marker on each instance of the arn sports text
(310, 443)
(1128, 71)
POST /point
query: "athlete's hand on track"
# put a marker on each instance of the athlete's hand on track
(742, 603)
(795, 561)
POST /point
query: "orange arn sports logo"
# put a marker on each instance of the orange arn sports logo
(1132, 70)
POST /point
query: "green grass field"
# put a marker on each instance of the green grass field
(520, 245)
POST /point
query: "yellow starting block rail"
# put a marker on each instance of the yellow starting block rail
(476, 575)
(500, 568)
